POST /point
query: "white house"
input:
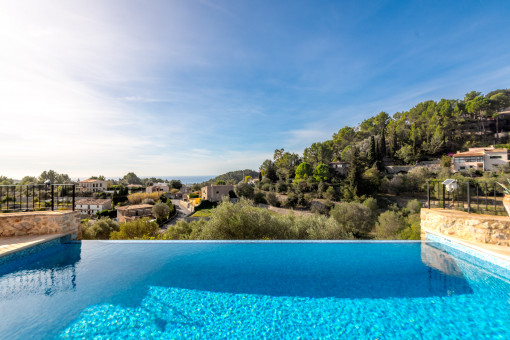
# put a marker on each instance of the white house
(94, 185)
(484, 159)
(91, 206)
(162, 187)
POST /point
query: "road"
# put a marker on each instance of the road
(181, 214)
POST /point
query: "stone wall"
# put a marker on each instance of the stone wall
(472, 227)
(39, 223)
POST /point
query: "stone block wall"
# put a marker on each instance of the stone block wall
(39, 223)
(471, 227)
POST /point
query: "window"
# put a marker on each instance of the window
(495, 157)
(462, 168)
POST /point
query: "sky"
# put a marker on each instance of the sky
(202, 87)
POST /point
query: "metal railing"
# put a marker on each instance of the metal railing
(37, 197)
(469, 196)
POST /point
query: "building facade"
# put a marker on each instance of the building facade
(92, 206)
(215, 193)
(94, 185)
(483, 159)
(158, 187)
(132, 212)
(339, 168)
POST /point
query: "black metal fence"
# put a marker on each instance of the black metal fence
(37, 197)
(469, 196)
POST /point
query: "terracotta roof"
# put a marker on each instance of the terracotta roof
(496, 150)
(95, 201)
(90, 180)
(136, 206)
(467, 154)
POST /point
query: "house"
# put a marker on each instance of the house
(215, 193)
(94, 185)
(158, 187)
(90, 206)
(132, 212)
(483, 159)
(339, 168)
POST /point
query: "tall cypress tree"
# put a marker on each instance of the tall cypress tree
(383, 142)
(371, 151)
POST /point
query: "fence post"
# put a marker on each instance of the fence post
(428, 194)
(74, 186)
(468, 197)
(495, 199)
(52, 197)
(444, 200)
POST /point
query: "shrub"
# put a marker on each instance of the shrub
(100, 230)
(193, 195)
(139, 197)
(371, 203)
(244, 190)
(135, 230)
(160, 210)
(205, 204)
(389, 224)
(281, 186)
(107, 213)
(414, 206)
(397, 185)
(330, 194)
(272, 199)
(292, 200)
(413, 229)
(148, 201)
(259, 198)
(354, 218)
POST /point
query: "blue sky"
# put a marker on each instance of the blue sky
(203, 87)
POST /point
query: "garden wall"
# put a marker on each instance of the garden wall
(39, 223)
(472, 227)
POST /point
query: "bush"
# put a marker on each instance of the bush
(413, 206)
(413, 229)
(354, 218)
(259, 198)
(136, 230)
(244, 190)
(272, 199)
(101, 230)
(107, 213)
(139, 197)
(193, 195)
(389, 224)
(330, 194)
(205, 204)
(371, 203)
(160, 210)
(292, 200)
(148, 201)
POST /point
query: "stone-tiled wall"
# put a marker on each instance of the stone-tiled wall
(472, 227)
(39, 223)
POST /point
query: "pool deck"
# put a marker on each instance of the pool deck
(9, 245)
(501, 252)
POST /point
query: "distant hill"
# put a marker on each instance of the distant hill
(233, 177)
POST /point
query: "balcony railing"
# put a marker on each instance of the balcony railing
(469, 196)
(37, 197)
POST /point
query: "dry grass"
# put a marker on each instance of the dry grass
(139, 197)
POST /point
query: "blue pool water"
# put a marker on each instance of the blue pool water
(154, 290)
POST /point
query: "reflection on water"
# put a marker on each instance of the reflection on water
(47, 272)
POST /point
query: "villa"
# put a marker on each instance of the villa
(91, 206)
(93, 185)
(158, 187)
(483, 159)
(132, 212)
(215, 193)
(340, 168)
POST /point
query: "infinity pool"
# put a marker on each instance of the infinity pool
(206, 290)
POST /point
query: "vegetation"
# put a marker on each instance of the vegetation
(100, 230)
(232, 177)
(139, 229)
(139, 197)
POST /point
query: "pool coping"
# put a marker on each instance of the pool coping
(26, 242)
(470, 245)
